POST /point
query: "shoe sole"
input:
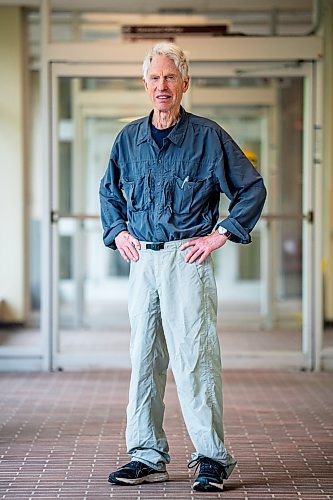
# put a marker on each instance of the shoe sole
(208, 487)
(151, 478)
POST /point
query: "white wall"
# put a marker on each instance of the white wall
(328, 161)
(12, 146)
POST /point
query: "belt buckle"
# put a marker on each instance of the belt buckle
(155, 246)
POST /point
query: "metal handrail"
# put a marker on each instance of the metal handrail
(55, 216)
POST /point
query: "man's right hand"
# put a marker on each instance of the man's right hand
(127, 246)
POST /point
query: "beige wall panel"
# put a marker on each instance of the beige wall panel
(328, 161)
(11, 167)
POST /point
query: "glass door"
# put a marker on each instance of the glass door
(90, 281)
(264, 309)
(260, 285)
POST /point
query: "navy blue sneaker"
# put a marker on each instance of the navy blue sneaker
(211, 474)
(136, 472)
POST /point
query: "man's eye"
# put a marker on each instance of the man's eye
(154, 78)
(171, 78)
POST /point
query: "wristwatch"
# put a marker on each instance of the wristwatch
(223, 231)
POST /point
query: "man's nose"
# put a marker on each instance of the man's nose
(162, 83)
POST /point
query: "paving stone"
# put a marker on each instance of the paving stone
(62, 433)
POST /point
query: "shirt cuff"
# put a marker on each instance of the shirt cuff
(110, 235)
(239, 234)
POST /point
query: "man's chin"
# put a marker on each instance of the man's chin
(165, 108)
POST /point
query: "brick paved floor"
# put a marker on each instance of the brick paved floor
(61, 434)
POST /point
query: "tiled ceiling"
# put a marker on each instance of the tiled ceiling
(208, 7)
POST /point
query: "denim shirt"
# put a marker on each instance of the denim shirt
(173, 193)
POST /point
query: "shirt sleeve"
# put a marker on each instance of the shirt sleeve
(113, 204)
(244, 186)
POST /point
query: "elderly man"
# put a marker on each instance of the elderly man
(159, 203)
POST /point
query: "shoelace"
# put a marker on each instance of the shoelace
(206, 465)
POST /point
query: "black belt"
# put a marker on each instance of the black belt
(154, 246)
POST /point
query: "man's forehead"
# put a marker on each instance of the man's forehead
(162, 62)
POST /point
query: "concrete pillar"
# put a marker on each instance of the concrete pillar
(12, 184)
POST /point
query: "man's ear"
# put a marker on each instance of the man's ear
(145, 84)
(186, 84)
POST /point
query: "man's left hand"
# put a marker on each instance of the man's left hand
(202, 247)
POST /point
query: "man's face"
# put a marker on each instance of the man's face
(165, 85)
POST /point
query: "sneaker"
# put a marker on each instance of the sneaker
(136, 472)
(211, 474)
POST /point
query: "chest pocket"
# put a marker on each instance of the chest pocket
(190, 195)
(137, 193)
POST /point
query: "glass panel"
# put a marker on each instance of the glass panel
(93, 279)
(271, 135)
(89, 26)
(92, 285)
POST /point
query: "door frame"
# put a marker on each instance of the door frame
(309, 358)
(274, 52)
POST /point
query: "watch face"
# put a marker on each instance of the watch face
(224, 232)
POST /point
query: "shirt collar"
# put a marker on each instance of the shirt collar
(176, 135)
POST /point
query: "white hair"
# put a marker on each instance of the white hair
(170, 50)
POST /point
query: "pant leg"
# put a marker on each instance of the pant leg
(145, 438)
(188, 307)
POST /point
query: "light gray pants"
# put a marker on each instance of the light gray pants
(172, 310)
